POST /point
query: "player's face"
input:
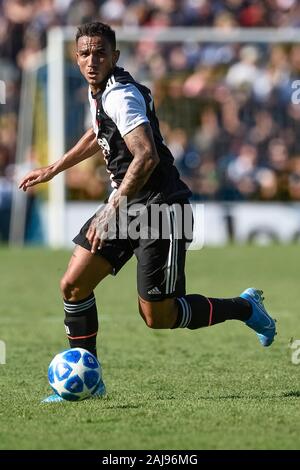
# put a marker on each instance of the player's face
(95, 58)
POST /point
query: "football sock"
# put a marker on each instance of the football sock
(81, 323)
(197, 311)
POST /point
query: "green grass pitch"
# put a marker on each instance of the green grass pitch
(215, 388)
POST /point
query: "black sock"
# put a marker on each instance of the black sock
(197, 311)
(81, 323)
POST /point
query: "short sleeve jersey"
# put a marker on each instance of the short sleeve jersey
(124, 105)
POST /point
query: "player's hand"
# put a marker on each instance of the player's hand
(100, 227)
(40, 175)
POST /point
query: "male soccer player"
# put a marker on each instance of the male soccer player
(126, 129)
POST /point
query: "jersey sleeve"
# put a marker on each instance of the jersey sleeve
(125, 105)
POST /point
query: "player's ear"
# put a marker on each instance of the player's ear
(116, 56)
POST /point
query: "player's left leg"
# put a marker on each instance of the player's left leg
(196, 311)
(193, 311)
(163, 302)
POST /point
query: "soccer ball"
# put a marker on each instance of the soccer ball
(74, 374)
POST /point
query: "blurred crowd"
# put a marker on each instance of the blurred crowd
(229, 112)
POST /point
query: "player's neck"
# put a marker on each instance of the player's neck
(95, 89)
(100, 87)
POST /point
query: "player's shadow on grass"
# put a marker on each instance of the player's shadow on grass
(124, 406)
(290, 394)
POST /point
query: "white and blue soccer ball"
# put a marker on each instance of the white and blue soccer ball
(74, 374)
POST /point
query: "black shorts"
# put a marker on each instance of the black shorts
(160, 248)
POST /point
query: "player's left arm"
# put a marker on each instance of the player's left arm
(141, 145)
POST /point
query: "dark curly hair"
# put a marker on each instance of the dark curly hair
(97, 29)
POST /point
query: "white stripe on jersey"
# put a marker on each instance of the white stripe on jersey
(111, 82)
(93, 108)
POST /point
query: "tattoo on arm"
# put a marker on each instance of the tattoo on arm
(141, 144)
(140, 140)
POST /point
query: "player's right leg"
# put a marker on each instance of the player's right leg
(85, 271)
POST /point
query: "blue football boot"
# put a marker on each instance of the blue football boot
(99, 393)
(260, 321)
(54, 398)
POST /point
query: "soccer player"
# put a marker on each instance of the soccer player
(126, 129)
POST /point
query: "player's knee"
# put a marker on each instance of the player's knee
(152, 322)
(147, 315)
(156, 315)
(66, 288)
(70, 290)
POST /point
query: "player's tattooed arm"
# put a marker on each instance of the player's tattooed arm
(141, 144)
(85, 148)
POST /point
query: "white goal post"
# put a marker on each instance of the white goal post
(56, 135)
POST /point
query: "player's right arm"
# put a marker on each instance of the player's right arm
(86, 147)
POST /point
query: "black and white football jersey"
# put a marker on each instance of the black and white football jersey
(120, 108)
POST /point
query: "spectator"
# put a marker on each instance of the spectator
(222, 99)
